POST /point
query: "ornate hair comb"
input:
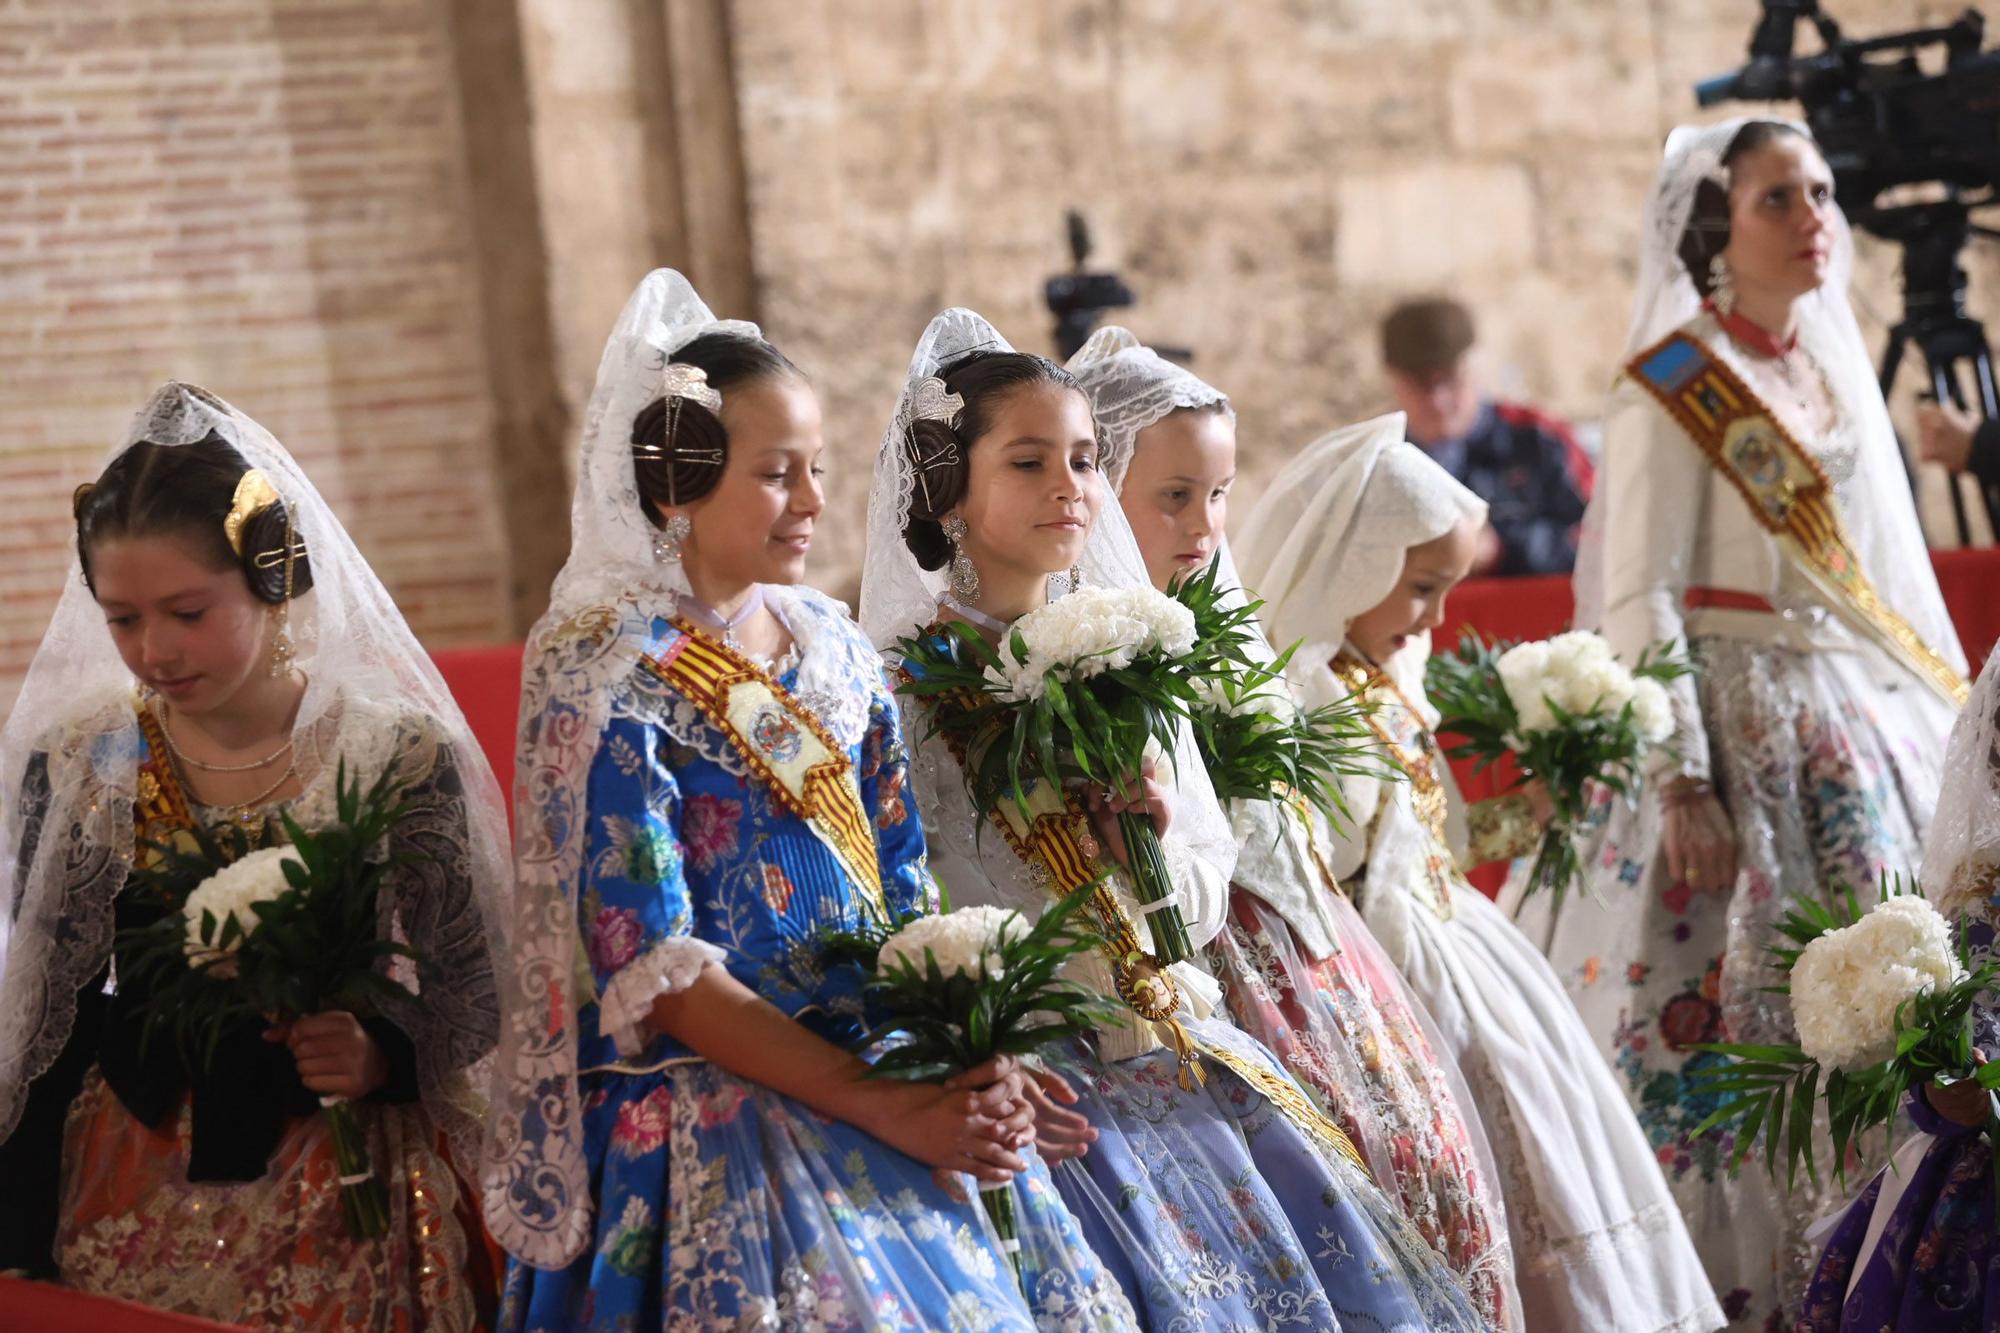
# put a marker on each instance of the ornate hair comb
(682, 380)
(933, 402)
(254, 494)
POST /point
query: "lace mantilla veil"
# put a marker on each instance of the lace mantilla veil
(1886, 536)
(1327, 540)
(1962, 850)
(66, 835)
(900, 597)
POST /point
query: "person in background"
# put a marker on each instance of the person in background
(1957, 438)
(1527, 466)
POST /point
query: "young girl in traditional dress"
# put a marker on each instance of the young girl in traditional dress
(1227, 1203)
(1751, 504)
(1299, 969)
(712, 775)
(221, 650)
(1353, 548)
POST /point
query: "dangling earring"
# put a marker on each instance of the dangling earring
(672, 535)
(281, 642)
(1721, 288)
(964, 578)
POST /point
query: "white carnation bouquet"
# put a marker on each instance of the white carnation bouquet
(1567, 712)
(1084, 690)
(1882, 1002)
(253, 928)
(949, 991)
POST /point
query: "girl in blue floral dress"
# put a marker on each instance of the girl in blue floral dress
(711, 775)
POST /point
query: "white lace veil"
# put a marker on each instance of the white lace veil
(1327, 539)
(611, 546)
(1962, 850)
(1131, 386)
(899, 596)
(69, 756)
(1885, 532)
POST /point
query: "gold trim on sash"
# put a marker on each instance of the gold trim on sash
(1788, 493)
(1428, 798)
(1053, 840)
(782, 744)
(160, 806)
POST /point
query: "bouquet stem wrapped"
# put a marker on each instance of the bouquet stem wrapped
(1153, 885)
(364, 1200)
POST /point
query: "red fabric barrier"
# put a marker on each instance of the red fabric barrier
(41, 1308)
(487, 684)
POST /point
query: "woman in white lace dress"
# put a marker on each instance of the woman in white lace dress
(1752, 503)
(1353, 548)
(1227, 1203)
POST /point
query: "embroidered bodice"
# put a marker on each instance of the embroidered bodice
(691, 858)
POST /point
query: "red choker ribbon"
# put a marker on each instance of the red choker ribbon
(1752, 335)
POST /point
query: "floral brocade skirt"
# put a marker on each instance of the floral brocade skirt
(1348, 1028)
(272, 1253)
(1829, 766)
(723, 1205)
(1216, 1210)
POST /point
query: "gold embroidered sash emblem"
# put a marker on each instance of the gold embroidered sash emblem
(784, 746)
(1788, 493)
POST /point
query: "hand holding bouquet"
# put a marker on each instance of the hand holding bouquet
(955, 989)
(277, 932)
(1882, 1002)
(1567, 711)
(1080, 692)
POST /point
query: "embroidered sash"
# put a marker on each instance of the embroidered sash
(783, 745)
(161, 812)
(1788, 493)
(1428, 798)
(1053, 840)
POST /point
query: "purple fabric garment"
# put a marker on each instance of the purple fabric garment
(1936, 1266)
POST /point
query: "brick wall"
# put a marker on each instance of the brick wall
(266, 198)
(1271, 178)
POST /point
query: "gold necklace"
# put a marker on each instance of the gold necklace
(167, 735)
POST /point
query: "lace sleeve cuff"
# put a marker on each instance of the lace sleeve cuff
(1500, 829)
(669, 966)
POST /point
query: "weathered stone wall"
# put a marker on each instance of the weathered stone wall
(1270, 177)
(397, 233)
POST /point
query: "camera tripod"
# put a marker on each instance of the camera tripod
(1934, 318)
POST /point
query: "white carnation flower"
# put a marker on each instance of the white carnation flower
(1575, 672)
(1524, 670)
(965, 941)
(230, 892)
(1652, 710)
(1848, 983)
(1092, 631)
